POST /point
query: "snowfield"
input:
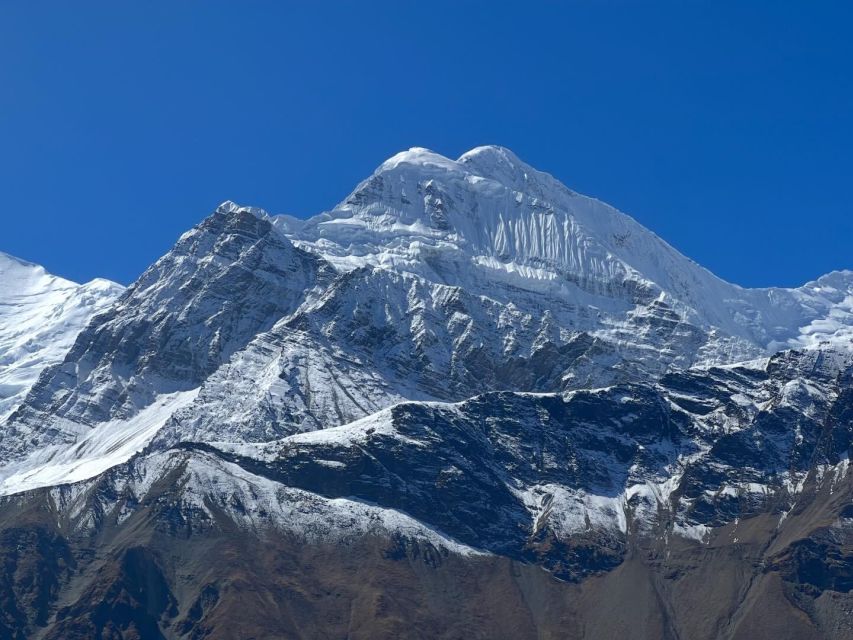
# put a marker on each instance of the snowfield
(40, 317)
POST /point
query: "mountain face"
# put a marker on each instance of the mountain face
(497, 227)
(40, 317)
(465, 401)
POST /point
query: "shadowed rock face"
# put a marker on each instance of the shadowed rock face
(36, 563)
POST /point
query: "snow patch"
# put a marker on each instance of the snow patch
(97, 448)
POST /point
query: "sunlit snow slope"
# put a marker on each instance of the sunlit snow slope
(40, 317)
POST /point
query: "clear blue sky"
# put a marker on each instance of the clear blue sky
(725, 127)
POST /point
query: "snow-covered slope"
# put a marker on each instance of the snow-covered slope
(40, 317)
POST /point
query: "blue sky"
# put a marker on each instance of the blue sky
(725, 127)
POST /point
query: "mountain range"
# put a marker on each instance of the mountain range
(466, 401)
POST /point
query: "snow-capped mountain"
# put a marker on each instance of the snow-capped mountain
(495, 226)
(462, 362)
(435, 280)
(40, 317)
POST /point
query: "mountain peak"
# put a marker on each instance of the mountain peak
(421, 158)
(18, 276)
(487, 161)
(14, 268)
(229, 208)
(493, 213)
(491, 156)
(492, 162)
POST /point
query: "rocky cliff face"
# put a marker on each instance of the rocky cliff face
(465, 401)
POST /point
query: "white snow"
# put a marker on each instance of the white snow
(96, 449)
(40, 317)
(697, 532)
